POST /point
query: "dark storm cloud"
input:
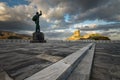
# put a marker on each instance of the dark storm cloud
(15, 26)
(81, 10)
(111, 33)
(89, 4)
(56, 9)
(109, 26)
(16, 18)
(101, 27)
(22, 25)
(109, 11)
(80, 4)
(85, 5)
(58, 35)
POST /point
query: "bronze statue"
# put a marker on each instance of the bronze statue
(38, 36)
(36, 20)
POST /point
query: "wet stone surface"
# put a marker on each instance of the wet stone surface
(21, 60)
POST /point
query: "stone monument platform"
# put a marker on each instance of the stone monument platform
(38, 37)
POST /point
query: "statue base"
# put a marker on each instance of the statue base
(38, 37)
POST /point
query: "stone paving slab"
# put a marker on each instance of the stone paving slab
(106, 62)
(49, 57)
(19, 59)
(61, 69)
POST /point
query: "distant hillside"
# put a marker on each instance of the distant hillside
(12, 35)
(98, 37)
(76, 36)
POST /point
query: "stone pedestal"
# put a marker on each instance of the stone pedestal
(38, 37)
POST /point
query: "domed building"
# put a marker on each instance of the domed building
(75, 36)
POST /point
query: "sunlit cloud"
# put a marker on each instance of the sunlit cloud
(61, 17)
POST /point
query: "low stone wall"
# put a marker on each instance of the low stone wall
(58, 41)
(14, 41)
(98, 41)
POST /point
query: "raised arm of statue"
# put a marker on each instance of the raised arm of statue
(40, 13)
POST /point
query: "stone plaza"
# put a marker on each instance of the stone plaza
(81, 60)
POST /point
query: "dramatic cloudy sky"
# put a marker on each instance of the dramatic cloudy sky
(61, 17)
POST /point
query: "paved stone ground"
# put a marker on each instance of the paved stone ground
(21, 60)
(106, 62)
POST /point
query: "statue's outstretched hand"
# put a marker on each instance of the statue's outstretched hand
(41, 12)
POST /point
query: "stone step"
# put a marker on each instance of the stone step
(61, 69)
(83, 70)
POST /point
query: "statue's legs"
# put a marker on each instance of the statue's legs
(37, 27)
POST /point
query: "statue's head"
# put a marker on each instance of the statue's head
(37, 13)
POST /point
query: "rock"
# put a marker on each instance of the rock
(94, 36)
